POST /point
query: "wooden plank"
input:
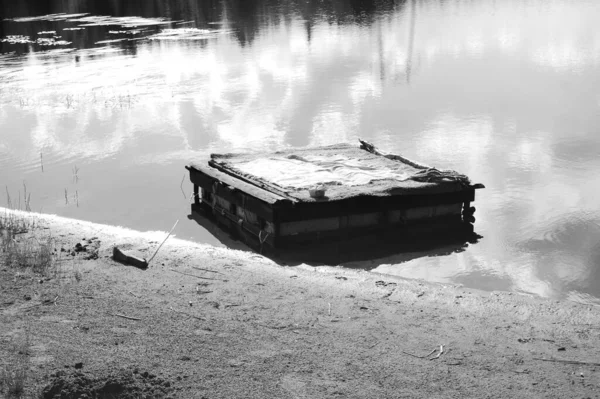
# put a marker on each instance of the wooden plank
(404, 215)
(253, 182)
(234, 182)
(196, 194)
(240, 198)
(365, 219)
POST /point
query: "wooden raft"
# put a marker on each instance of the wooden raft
(261, 216)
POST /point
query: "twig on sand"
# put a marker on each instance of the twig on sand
(133, 294)
(207, 270)
(439, 354)
(567, 361)
(126, 317)
(188, 314)
(161, 244)
(419, 357)
(181, 186)
(441, 349)
(193, 275)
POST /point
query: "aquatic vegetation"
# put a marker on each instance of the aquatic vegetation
(111, 41)
(16, 39)
(188, 34)
(42, 41)
(50, 41)
(48, 17)
(126, 22)
(104, 50)
(95, 20)
(57, 52)
(128, 29)
(125, 32)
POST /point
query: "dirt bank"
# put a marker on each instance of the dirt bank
(216, 323)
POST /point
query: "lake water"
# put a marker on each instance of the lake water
(114, 98)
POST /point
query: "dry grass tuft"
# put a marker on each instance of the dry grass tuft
(12, 224)
(16, 251)
(78, 276)
(13, 378)
(30, 253)
(12, 383)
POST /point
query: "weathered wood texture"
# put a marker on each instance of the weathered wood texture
(216, 175)
(247, 196)
(255, 182)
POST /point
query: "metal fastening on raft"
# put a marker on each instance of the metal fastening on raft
(262, 240)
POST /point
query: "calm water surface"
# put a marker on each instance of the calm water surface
(114, 98)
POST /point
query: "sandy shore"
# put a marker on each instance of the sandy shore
(218, 323)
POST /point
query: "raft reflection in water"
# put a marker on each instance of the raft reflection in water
(403, 246)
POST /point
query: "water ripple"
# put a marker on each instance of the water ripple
(573, 232)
